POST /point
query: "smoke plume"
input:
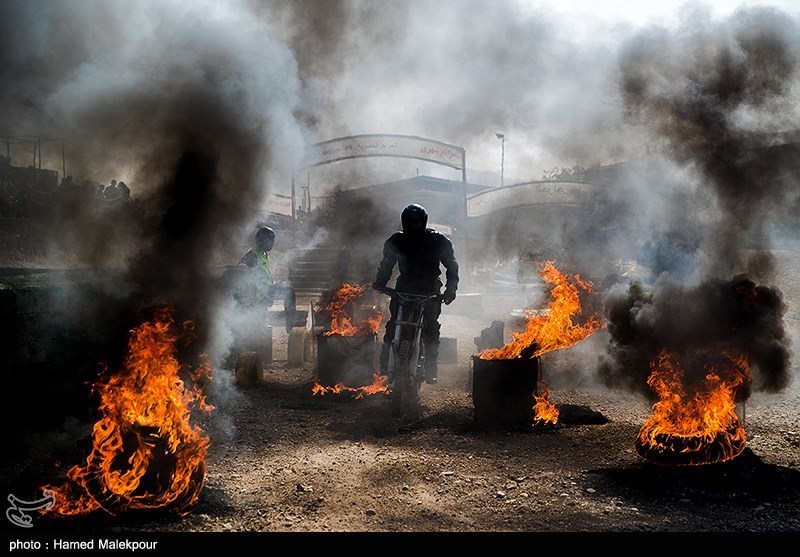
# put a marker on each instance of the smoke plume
(707, 105)
(696, 323)
(193, 104)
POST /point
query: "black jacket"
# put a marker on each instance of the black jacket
(418, 259)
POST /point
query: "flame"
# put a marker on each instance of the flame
(552, 329)
(380, 384)
(544, 411)
(548, 330)
(694, 425)
(145, 454)
(342, 319)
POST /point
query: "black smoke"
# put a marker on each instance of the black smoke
(195, 111)
(709, 96)
(697, 324)
(193, 106)
(361, 224)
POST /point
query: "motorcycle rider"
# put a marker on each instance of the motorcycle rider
(418, 252)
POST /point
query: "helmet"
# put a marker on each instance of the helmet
(414, 219)
(265, 238)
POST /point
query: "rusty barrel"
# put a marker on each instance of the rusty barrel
(346, 359)
(503, 392)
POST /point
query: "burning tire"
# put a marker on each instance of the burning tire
(145, 454)
(683, 450)
(164, 485)
(694, 422)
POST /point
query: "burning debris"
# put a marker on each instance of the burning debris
(553, 328)
(694, 424)
(544, 411)
(379, 385)
(346, 351)
(547, 330)
(146, 453)
(698, 351)
(344, 308)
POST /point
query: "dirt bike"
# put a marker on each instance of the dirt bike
(407, 352)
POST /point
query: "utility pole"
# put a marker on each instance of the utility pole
(502, 139)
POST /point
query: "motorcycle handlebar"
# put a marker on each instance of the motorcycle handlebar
(391, 292)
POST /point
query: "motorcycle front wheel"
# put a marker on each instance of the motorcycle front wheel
(405, 393)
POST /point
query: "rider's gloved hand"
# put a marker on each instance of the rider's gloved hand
(379, 287)
(448, 296)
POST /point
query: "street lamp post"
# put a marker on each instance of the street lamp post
(502, 139)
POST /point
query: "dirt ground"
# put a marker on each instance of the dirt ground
(305, 463)
(283, 460)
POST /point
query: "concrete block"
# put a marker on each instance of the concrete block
(296, 348)
(248, 369)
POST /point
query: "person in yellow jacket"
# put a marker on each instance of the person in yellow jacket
(266, 288)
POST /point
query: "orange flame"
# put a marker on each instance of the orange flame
(378, 385)
(544, 411)
(698, 425)
(145, 453)
(554, 329)
(341, 308)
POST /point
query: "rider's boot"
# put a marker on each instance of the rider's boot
(431, 362)
(384, 361)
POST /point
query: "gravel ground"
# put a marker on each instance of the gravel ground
(283, 460)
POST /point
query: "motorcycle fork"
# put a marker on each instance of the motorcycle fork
(414, 320)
